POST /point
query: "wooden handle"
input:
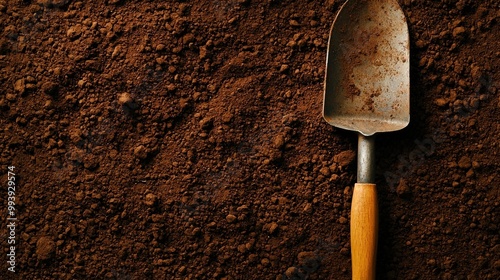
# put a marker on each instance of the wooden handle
(364, 231)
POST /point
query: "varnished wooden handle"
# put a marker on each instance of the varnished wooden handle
(364, 231)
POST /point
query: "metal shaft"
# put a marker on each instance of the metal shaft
(366, 159)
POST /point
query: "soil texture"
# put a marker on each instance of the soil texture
(184, 140)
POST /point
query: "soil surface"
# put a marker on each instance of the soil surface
(184, 140)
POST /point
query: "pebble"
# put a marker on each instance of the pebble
(45, 248)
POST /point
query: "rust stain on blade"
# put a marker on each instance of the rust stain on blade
(367, 79)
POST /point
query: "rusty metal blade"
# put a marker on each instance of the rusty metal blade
(367, 81)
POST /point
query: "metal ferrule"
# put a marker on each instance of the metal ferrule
(366, 159)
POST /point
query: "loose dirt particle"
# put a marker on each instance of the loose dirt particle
(464, 162)
(230, 218)
(291, 272)
(458, 31)
(150, 199)
(20, 86)
(74, 32)
(343, 220)
(141, 152)
(45, 248)
(345, 158)
(402, 189)
(125, 98)
(11, 97)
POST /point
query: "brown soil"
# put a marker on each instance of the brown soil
(184, 140)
